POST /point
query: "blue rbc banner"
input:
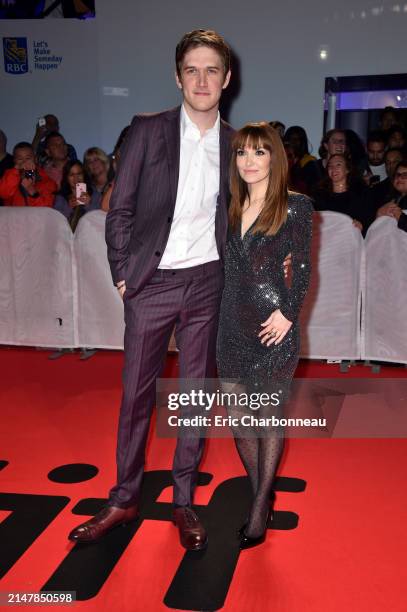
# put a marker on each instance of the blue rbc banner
(15, 55)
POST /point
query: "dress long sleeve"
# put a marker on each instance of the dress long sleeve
(300, 217)
(254, 288)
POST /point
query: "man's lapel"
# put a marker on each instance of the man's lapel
(172, 140)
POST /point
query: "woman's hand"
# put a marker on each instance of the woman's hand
(397, 211)
(122, 289)
(72, 200)
(275, 328)
(84, 198)
(357, 224)
(286, 264)
(386, 210)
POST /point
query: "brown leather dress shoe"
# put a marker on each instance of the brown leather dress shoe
(192, 533)
(102, 522)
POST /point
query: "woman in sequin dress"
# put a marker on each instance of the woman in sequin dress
(258, 339)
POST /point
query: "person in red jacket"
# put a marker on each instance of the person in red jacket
(26, 184)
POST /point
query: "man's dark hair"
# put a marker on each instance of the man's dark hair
(23, 145)
(52, 135)
(277, 124)
(394, 130)
(376, 136)
(401, 164)
(388, 109)
(53, 116)
(397, 149)
(202, 38)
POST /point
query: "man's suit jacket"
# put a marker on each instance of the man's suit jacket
(143, 199)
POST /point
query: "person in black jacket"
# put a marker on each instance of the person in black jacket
(397, 206)
(343, 191)
(305, 169)
(381, 193)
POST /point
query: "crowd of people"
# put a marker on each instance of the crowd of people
(47, 172)
(363, 181)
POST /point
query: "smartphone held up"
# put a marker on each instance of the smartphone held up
(80, 189)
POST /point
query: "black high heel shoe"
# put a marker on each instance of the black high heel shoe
(249, 542)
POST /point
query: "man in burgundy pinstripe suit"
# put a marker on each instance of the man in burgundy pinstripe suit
(166, 232)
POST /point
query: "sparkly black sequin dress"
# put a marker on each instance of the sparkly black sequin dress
(254, 288)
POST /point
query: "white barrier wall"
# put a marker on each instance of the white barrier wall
(330, 319)
(99, 306)
(384, 316)
(36, 286)
(56, 289)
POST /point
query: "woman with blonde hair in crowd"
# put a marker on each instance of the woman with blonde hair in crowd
(97, 167)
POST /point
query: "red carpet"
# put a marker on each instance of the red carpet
(347, 551)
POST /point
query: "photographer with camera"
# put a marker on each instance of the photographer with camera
(26, 184)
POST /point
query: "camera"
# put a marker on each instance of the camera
(29, 174)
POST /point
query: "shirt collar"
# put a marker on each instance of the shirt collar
(190, 130)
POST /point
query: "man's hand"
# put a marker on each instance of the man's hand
(397, 211)
(121, 288)
(357, 224)
(366, 177)
(40, 132)
(286, 264)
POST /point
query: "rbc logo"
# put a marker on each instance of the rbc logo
(15, 55)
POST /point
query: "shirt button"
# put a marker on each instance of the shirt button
(157, 253)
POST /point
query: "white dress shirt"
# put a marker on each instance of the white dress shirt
(192, 236)
(379, 171)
